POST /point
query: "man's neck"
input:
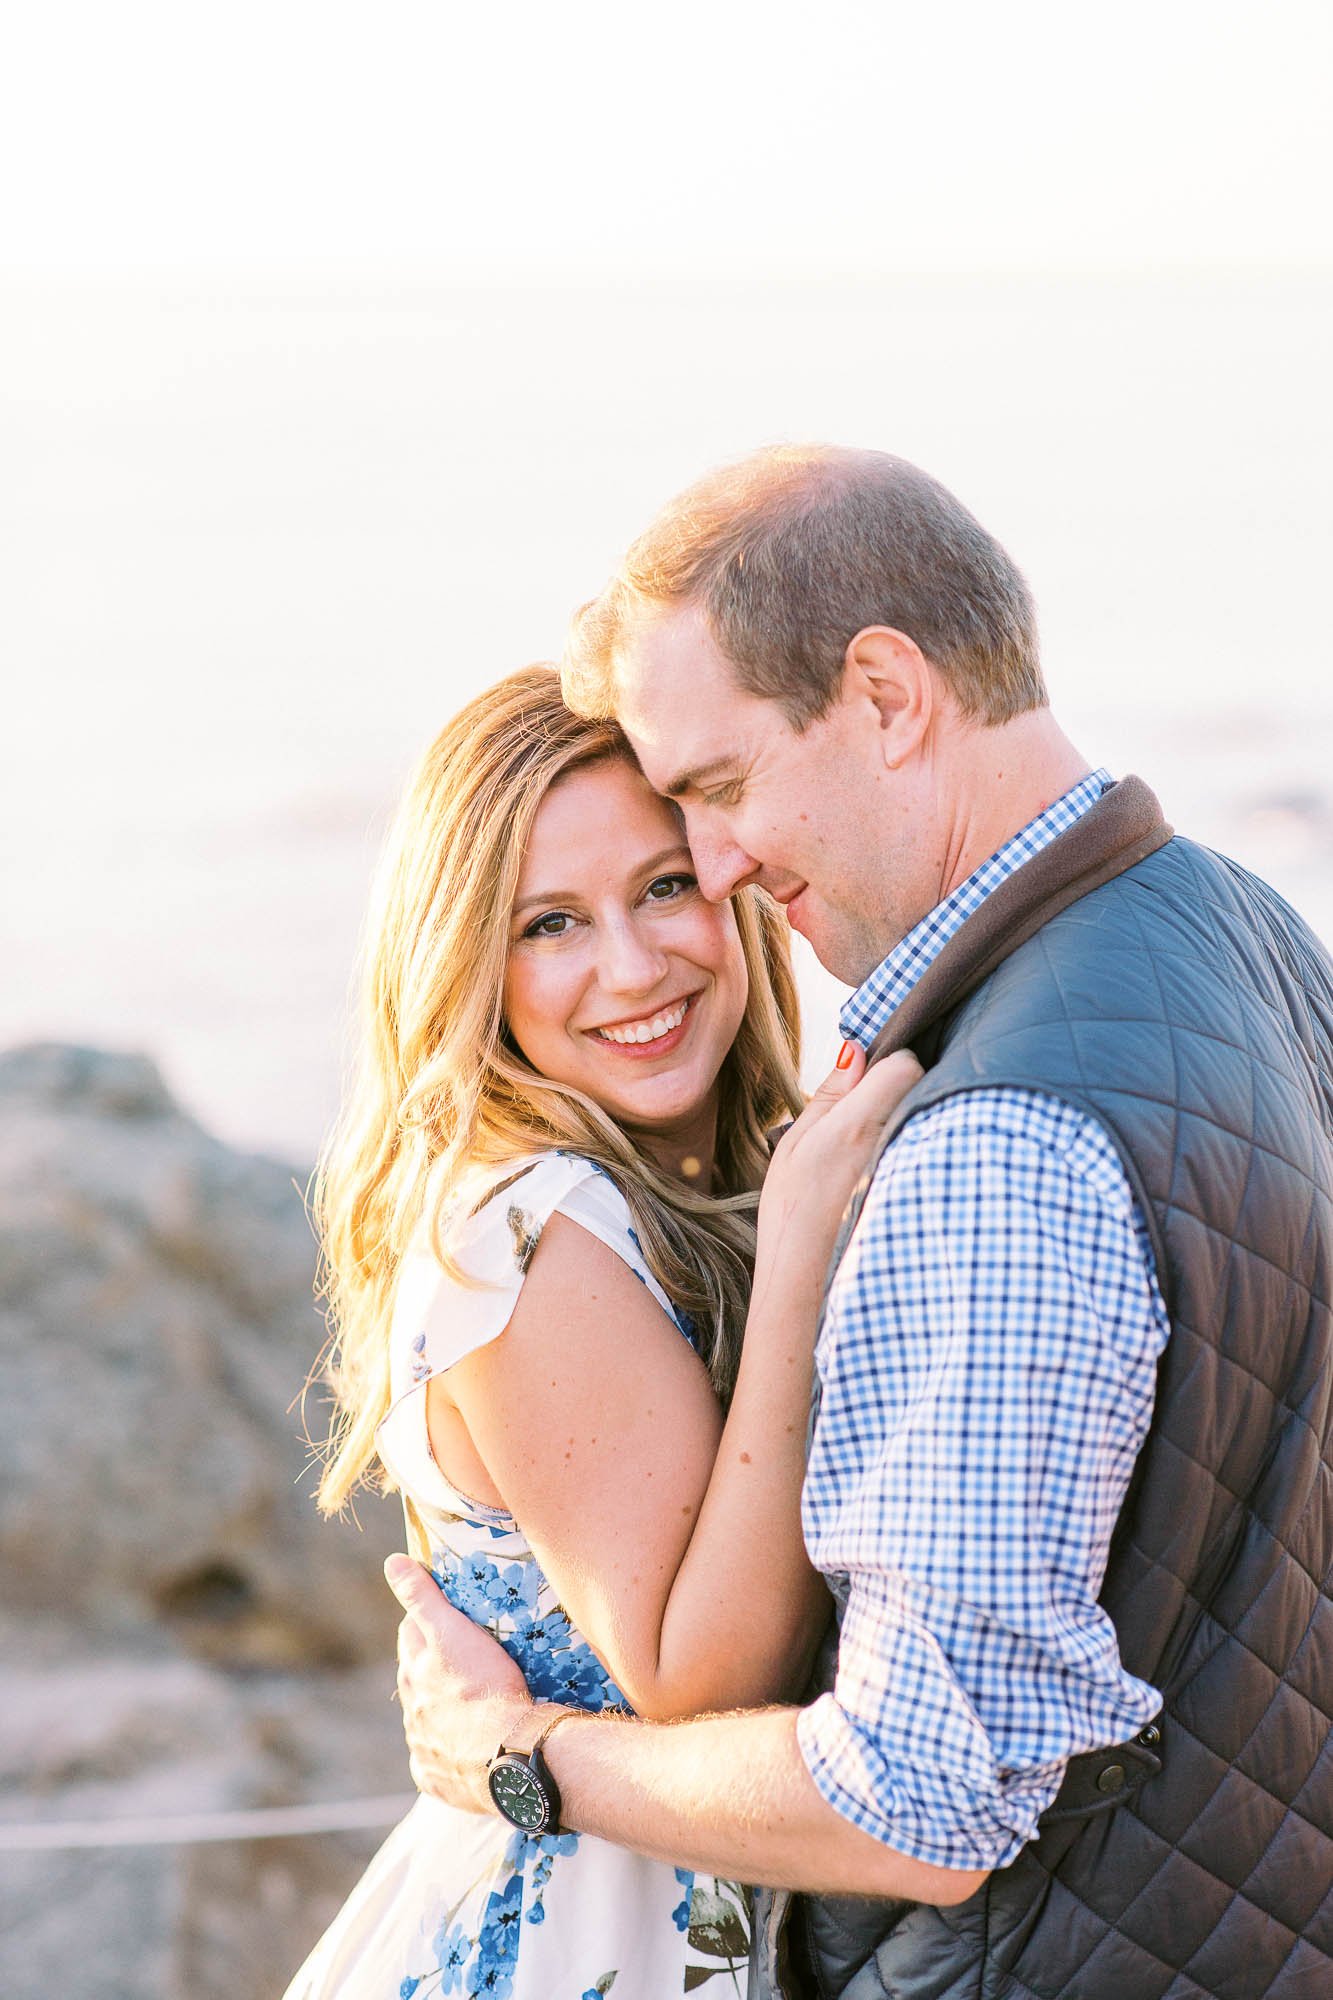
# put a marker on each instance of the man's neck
(1000, 778)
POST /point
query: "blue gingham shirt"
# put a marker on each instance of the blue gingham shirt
(988, 1364)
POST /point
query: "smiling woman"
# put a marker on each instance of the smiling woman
(625, 983)
(540, 1225)
(515, 803)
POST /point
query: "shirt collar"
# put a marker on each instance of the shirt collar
(884, 991)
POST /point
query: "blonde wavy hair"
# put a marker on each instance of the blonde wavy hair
(444, 1095)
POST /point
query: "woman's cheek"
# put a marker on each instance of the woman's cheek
(527, 1008)
(713, 936)
(729, 953)
(555, 1000)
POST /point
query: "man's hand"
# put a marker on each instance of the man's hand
(462, 1695)
(729, 1793)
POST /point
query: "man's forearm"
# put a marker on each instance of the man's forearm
(726, 1793)
(730, 1794)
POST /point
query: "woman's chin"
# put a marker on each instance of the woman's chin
(657, 1121)
(659, 1105)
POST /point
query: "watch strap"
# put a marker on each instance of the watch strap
(537, 1766)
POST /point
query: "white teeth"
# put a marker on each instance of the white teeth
(647, 1031)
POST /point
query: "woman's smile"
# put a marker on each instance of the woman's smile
(655, 1034)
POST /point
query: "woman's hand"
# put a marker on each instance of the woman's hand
(816, 1167)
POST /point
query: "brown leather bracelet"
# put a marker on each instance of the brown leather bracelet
(565, 1715)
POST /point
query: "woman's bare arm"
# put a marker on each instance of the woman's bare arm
(674, 1542)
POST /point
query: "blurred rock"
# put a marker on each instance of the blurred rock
(157, 1325)
(180, 1632)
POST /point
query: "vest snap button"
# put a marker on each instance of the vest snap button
(1111, 1779)
(1149, 1736)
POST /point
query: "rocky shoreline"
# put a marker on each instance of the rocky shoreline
(180, 1632)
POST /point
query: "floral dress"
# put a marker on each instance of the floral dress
(457, 1902)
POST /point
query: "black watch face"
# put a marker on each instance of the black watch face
(518, 1795)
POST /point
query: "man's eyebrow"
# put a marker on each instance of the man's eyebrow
(697, 776)
(552, 897)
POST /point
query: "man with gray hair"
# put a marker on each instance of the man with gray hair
(1070, 1470)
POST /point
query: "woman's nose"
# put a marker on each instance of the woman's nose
(631, 960)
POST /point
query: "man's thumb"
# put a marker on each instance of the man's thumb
(412, 1585)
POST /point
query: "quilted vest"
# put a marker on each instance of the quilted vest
(1189, 1011)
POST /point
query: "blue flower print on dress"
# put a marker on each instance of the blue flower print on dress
(464, 1582)
(541, 1875)
(547, 1847)
(485, 1592)
(492, 1973)
(681, 1913)
(504, 1598)
(408, 1988)
(548, 1634)
(512, 1592)
(452, 1949)
(574, 1676)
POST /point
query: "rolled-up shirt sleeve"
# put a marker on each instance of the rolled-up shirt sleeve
(987, 1365)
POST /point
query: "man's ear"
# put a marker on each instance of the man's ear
(887, 669)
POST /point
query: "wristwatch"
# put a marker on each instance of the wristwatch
(522, 1787)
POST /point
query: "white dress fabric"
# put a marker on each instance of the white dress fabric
(456, 1902)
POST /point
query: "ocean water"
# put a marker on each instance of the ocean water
(257, 542)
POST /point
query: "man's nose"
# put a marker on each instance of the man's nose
(721, 865)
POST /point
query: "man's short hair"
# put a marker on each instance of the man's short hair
(793, 551)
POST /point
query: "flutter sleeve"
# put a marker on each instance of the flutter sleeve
(437, 1319)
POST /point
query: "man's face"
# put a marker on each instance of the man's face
(815, 816)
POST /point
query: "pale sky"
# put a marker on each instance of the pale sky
(236, 499)
(695, 136)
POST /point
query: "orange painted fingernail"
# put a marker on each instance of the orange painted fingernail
(845, 1055)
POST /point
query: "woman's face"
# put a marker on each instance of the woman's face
(622, 979)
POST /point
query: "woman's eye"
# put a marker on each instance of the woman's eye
(553, 924)
(664, 887)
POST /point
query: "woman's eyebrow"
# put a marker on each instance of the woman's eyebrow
(647, 867)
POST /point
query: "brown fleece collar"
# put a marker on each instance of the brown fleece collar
(1124, 827)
